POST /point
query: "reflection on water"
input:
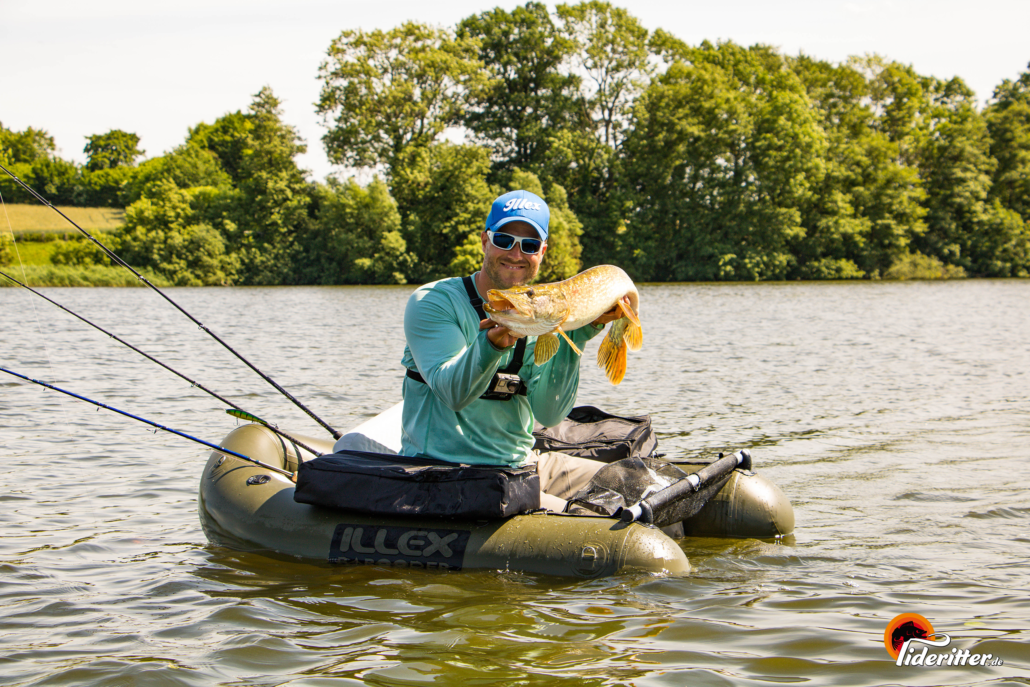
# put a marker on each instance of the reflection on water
(895, 417)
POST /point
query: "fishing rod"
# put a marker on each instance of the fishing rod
(242, 414)
(107, 251)
(152, 424)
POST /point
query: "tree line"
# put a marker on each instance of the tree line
(677, 162)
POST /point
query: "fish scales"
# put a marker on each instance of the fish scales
(547, 310)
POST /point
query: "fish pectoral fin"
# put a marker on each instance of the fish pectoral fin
(566, 337)
(611, 356)
(546, 347)
(627, 311)
(634, 332)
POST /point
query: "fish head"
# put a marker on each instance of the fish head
(526, 309)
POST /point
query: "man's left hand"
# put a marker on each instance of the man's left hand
(611, 315)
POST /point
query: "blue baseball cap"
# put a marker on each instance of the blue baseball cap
(520, 206)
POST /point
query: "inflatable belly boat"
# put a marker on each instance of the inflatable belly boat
(248, 507)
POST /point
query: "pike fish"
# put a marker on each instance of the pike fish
(549, 310)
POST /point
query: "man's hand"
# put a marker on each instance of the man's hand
(500, 337)
(613, 314)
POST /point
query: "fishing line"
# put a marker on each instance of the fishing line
(21, 264)
(151, 423)
(107, 251)
(249, 416)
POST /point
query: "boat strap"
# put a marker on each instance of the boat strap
(505, 383)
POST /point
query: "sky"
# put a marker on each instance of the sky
(155, 68)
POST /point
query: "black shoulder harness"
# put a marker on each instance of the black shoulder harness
(505, 383)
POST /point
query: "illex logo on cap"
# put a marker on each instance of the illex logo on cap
(521, 206)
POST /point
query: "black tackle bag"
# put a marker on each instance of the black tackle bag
(381, 484)
(589, 432)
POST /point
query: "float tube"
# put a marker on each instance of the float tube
(246, 507)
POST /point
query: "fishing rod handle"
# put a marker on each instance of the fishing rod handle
(644, 510)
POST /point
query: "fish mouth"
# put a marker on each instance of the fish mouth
(498, 303)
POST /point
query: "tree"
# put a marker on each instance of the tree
(1008, 122)
(270, 209)
(529, 99)
(723, 159)
(867, 207)
(166, 231)
(228, 139)
(956, 167)
(187, 166)
(385, 91)
(55, 179)
(443, 200)
(563, 249)
(31, 156)
(27, 146)
(116, 148)
(612, 54)
(611, 48)
(356, 238)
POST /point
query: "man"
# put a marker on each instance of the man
(452, 356)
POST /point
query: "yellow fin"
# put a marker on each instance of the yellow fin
(612, 354)
(634, 336)
(574, 346)
(546, 347)
(628, 312)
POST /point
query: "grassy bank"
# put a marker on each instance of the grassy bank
(39, 232)
(38, 219)
(72, 275)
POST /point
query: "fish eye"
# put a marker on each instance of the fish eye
(529, 292)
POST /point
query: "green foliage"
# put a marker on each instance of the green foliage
(55, 179)
(529, 98)
(919, 266)
(105, 187)
(384, 91)
(93, 275)
(165, 232)
(270, 207)
(356, 237)
(1008, 121)
(563, 250)
(81, 252)
(724, 156)
(611, 47)
(868, 207)
(227, 140)
(6, 248)
(187, 166)
(677, 162)
(116, 148)
(830, 268)
(443, 200)
(29, 146)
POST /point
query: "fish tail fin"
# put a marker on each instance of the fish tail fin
(612, 354)
(546, 347)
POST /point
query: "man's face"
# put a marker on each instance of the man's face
(508, 268)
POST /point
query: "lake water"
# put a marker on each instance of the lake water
(895, 416)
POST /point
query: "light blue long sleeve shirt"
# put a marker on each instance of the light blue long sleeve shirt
(445, 418)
